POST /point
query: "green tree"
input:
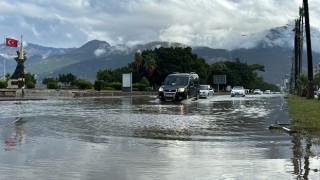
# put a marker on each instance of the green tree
(239, 73)
(48, 80)
(67, 79)
(156, 64)
(117, 73)
(168, 60)
(105, 75)
(109, 75)
(257, 67)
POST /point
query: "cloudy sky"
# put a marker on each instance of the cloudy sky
(214, 23)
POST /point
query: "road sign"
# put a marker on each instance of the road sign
(219, 79)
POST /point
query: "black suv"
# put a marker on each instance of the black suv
(180, 86)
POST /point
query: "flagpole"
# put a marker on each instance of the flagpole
(4, 59)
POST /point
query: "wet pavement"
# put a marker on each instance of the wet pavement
(142, 138)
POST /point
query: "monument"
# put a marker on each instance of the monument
(17, 79)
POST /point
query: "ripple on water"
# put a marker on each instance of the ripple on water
(93, 118)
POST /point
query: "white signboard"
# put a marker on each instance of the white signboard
(127, 82)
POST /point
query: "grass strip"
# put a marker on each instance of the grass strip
(305, 114)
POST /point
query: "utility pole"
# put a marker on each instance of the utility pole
(301, 12)
(310, 92)
(296, 55)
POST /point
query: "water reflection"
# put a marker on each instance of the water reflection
(16, 136)
(302, 155)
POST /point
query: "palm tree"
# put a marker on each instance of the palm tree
(138, 59)
(302, 83)
(149, 65)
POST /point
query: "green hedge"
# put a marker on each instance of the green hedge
(52, 85)
(139, 87)
(83, 84)
(30, 85)
(116, 85)
(3, 84)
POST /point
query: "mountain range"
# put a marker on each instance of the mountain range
(274, 50)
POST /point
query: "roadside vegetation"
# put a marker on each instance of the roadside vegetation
(150, 67)
(304, 114)
(303, 111)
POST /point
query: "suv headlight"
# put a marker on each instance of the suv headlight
(181, 89)
(161, 89)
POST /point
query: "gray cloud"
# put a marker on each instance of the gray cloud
(218, 24)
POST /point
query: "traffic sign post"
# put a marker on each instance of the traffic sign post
(219, 79)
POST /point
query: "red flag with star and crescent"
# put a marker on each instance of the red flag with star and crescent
(11, 42)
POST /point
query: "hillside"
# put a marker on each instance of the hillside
(277, 61)
(274, 50)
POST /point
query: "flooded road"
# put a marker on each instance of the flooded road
(141, 138)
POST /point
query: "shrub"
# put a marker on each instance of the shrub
(143, 87)
(144, 81)
(116, 85)
(99, 85)
(139, 87)
(30, 85)
(109, 88)
(135, 86)
(3, 84)
(52, 85)
(83, 84)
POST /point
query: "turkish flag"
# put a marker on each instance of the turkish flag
(11, 42)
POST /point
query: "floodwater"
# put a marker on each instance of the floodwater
(141, 138)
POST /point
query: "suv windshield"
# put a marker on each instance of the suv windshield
(176, 80)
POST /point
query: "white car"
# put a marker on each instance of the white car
(318, 94)
(238, 91)
(267, 92)
(257, 91)
(206, 91)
